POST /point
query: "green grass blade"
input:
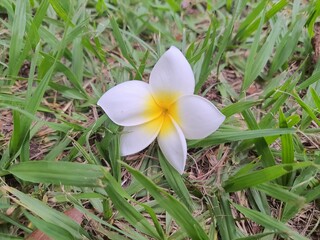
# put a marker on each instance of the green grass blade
(78, 64)
(238, 107)
(62, 8)
(315, 77)
(34, 61)
(222, 212)
(248, 76)
(256, 236)
(262, 176)
(90, 159)
(314, 194)
(260, 143)
(8, 7)
(60, 67)
(46, 213)
(31, 38)
(82, 139)
(32, 105)
(287, 46)
(122, 44)
(51, 230)
(287, 146)
(205, 66)
(68, 92)
(175, 181)
(269, 222)
(278, 192)
(109, 148)
(25, 149)
(125, 234)
(114, 156)
(223, 136)
(130, 213)
(315, 97)
(142, 66)
(9, 237)
(16, 140)
(75, 32)
(155, 220)
(306, 108)
(66, 173)
(251, 17)
(57, 127)
(223, 43)
(7, 219)
(247, 31)
(18, 31)
(174, 5)
(301, 186)
(177, 210)
(258, 59)
(313, 15)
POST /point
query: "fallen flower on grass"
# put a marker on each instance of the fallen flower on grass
(165, 109)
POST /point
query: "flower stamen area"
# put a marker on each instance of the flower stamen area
(161, 106)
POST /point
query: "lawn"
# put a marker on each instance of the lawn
(62, 172)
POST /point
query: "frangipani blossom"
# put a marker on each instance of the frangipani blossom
(165, 109)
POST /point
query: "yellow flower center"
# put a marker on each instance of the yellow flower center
(162, 106)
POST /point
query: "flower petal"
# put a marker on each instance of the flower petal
(130, 103)
(172, 75)
(196, 116)
(136, 138)
(173, 144)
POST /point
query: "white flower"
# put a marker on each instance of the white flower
(165, 109)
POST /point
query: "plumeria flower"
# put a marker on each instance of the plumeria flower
(165, 109)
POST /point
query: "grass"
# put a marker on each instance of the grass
(257, 177)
